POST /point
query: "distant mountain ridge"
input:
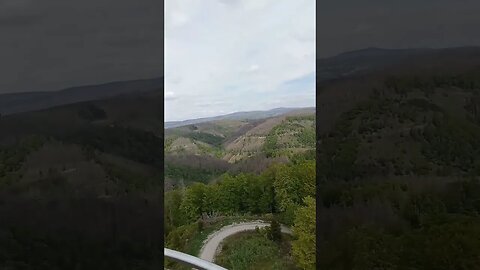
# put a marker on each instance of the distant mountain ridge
(348, 63)
(353, 63)
(32, 101)
(374, 59)
(251, 115)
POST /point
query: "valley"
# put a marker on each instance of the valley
(212, 148)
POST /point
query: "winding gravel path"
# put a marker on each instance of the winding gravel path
(214, 240)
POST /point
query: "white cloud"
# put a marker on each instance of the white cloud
(169, 95)
(230, 2)
(253, 68)
(179, 18)
(239, 52)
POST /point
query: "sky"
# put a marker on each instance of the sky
(48, 45)
(346, 25)
(224, 56)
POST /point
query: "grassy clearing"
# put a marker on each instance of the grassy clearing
(252, 250)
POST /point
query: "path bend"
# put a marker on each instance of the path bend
(214, 240)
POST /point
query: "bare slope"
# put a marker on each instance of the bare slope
(231, 140)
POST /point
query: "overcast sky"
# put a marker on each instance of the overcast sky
(224, 56)
(52, 44)
(345, 25)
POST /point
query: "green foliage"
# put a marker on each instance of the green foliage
(275, 231)
(473, 108)
(424, 105)
(462, 197)
(193, 203)
(307, 137)
(91, 112)
(232, 194)
(22, 249)
(454, 244)
(298, 118)
(270, 146)
(338, 151)
(422, 207)
(251, 251)
(453, 142)
(191, 174)
(168, 142)
(386, 207)
(294, 183)
(428, 84)
(303, 248)
(134, 144)
(296, 132)
(451, 245)
(173, 215)
(215, 151)
(302, 157)
(358, 248)
(79, 234)
(12, 157)
(128, 180)
(280, 189)
(206, 138)
(180, 238)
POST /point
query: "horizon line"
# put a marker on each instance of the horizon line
(243, 111)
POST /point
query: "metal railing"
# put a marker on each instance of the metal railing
(190, 260)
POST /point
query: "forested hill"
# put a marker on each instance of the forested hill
(32, 101)
(81, 185)
(399, 166)
(200, 152)
(369, 61)
(233, 116)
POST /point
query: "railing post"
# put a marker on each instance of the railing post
(193, 261)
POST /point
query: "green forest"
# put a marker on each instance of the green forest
(399, 178)
(285, 192)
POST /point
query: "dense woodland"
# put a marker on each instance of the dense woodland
(281, 190)
(53, 223)
(80, 188)
(399, 179)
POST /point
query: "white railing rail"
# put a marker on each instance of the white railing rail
(190, 260)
